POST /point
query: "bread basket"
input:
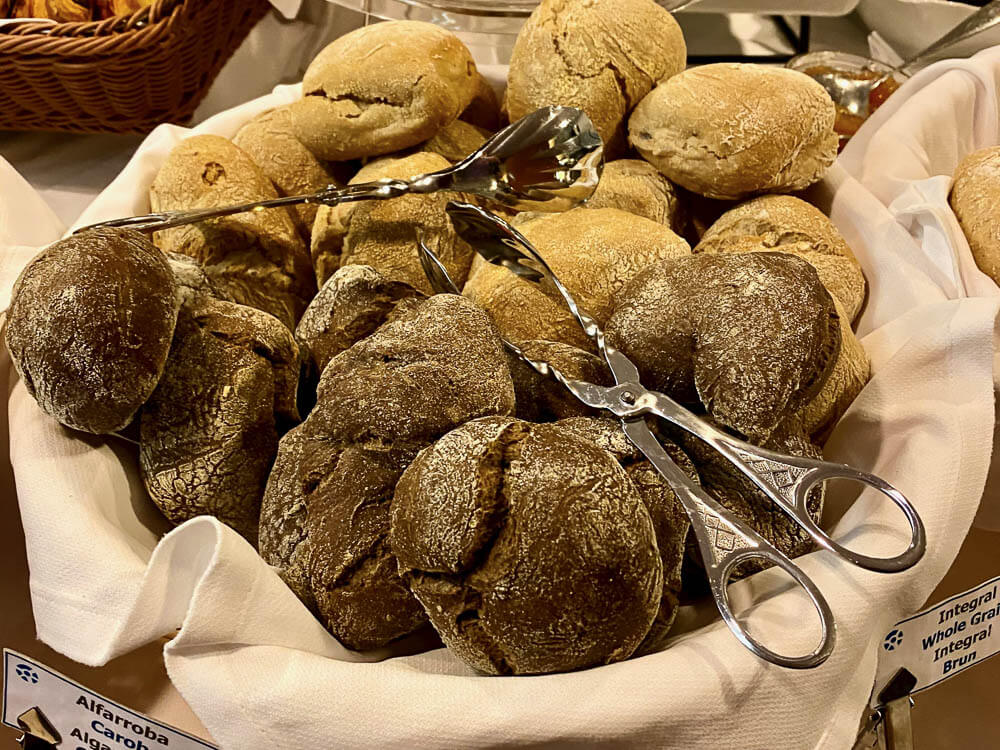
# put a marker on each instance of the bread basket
(119, 75)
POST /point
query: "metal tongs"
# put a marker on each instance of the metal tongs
(549, 160)
(723, 538)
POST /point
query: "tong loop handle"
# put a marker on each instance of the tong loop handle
(726, 542)
(787, 480)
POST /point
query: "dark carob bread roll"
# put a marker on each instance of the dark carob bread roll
(529, 548)
(209, 432)
(542, 399)
(434, 365)
(750, 338)
(257, 258)
(352, 304)
(89, 327)
(670, 521)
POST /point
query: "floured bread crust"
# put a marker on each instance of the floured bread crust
(529, 548)
(324, 520)
(383, 88)
(791, 225)
(209, 432)
(731, 130)
(602, 56)
(89, 327)
(750, 338)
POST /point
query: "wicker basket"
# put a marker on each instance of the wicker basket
(121, 75)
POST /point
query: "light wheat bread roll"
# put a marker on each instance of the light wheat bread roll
(383, 88)
(731, 130)
(529, 548)
(456, 141)
(635, 186)
(270, 142)
(432, 366)
(602, 56)
(257, 258)
(383, 234)
(788, 224)
(89, 327)
(594, 252)
(975, 199)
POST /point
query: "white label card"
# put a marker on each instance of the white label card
(85, 720)
(945, 639)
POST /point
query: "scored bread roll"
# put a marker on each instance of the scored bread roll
(602, 56)
(594, 252)
(383, 88)
(89, 327)
(731, 130)
(670, 521)
(974, 199)
(529, 548)
(750, 338)
(257, 258)
(209, 432)
(325, 517)
(788, 224)
(269, 140)
(352, 304)
(383, 234)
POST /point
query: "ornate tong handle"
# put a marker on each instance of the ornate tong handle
(725, 542)
(787, 480)
(331, 196)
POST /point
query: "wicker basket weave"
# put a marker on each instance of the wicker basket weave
(121, 75)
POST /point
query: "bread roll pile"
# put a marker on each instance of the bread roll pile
(292, 374)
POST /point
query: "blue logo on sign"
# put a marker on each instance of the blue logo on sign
(26, 673)
(892, 640)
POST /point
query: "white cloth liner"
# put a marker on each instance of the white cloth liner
(259, 670)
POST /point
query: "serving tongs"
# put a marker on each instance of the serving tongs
(724, 539)
(549, 160)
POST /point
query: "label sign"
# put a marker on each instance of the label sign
(945, 639)
(84, 720)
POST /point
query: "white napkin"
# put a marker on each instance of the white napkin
(906, 154)
(260, 672)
